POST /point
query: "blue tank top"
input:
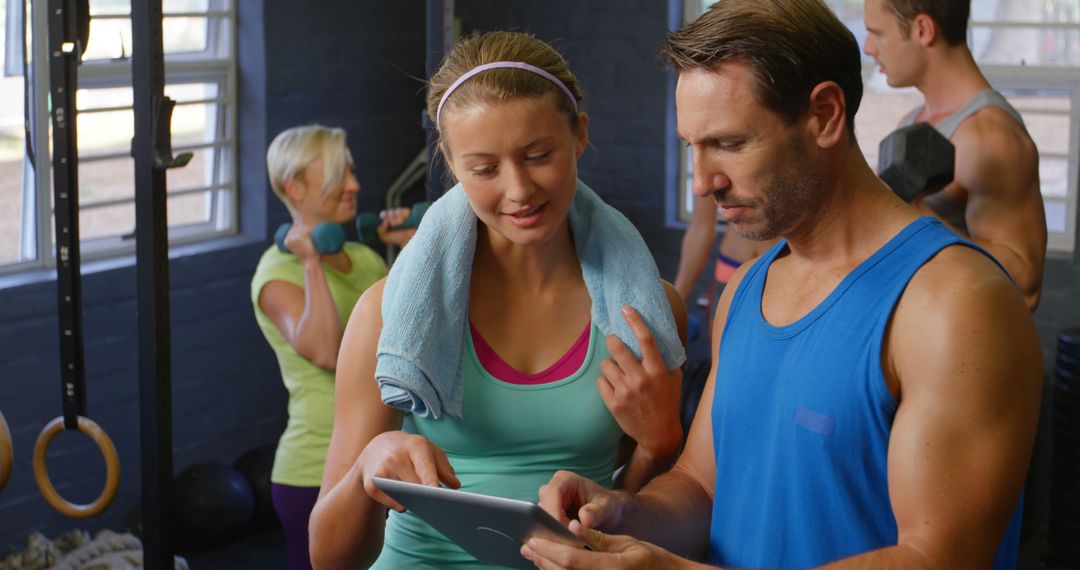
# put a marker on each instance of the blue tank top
(802, 415)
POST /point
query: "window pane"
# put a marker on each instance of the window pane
(186, 5)
(105, 133)
(199, 173)
(12, 150)
(194, 124)
(98, 7)
(111, 221)
(688, 193)
(184, 35)
(88, 99)
(103, 180)
(92, 98)
(190, 209)
(108, 132)
(1062, 11)
(1057, 216)
(1049, 131)
(11, 196)
(1054, 177)
(110, 38)
(181, 92)
(1026, 46)
(107, 180)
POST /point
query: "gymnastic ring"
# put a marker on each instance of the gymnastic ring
(7, 453)
(112, 469)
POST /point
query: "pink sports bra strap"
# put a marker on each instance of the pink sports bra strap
(566, 366)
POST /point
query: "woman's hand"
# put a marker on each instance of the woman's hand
(643, 396)
(391, 218)
(298, 240)
(404, 457)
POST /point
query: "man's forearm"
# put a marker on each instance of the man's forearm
(672, 511)
(898, 557)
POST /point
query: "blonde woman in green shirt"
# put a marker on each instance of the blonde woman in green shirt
(302, 298)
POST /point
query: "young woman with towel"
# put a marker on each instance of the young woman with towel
(481, 362)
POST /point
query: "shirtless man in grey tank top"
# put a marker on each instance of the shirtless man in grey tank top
(994, 198)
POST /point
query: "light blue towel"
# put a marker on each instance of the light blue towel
(425, 303)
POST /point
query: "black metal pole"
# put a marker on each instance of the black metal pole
(152, 260)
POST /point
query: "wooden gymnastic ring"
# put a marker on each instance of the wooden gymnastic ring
(112, 469)
(7, 453)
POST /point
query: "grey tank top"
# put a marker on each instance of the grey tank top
(949, 208)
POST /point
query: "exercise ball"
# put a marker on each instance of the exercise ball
(255, 465)
(213, 504)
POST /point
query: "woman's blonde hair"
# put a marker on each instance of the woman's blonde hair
(294, 149)
(499, 85)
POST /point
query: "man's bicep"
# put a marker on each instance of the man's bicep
(998, 168)
(969, 370)
(1005, 212)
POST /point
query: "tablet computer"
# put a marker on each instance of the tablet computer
(490, 528)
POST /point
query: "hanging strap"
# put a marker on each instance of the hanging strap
(69, 28)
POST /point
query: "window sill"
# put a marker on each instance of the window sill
(47, 275)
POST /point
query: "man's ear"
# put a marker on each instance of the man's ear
(924, 30)
(827, 114)
(582, 134)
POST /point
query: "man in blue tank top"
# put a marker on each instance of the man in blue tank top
(994, 198)
(876, 378)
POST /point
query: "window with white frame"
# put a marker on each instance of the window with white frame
(200, 77)
(1030, 51)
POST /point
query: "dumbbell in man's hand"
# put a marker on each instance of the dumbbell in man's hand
(916, 160)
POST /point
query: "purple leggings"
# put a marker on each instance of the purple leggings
(293, 506)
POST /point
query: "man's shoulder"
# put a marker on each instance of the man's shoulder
(993, 130)
(951, 305)
(955, 283)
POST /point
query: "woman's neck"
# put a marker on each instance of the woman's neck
(525, 267)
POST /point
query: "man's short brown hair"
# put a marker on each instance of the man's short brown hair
(951, 16)
(791, 45)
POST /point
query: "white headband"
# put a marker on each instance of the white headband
(498, 65)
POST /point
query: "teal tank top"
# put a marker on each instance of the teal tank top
(802, 417)
(511, 439)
